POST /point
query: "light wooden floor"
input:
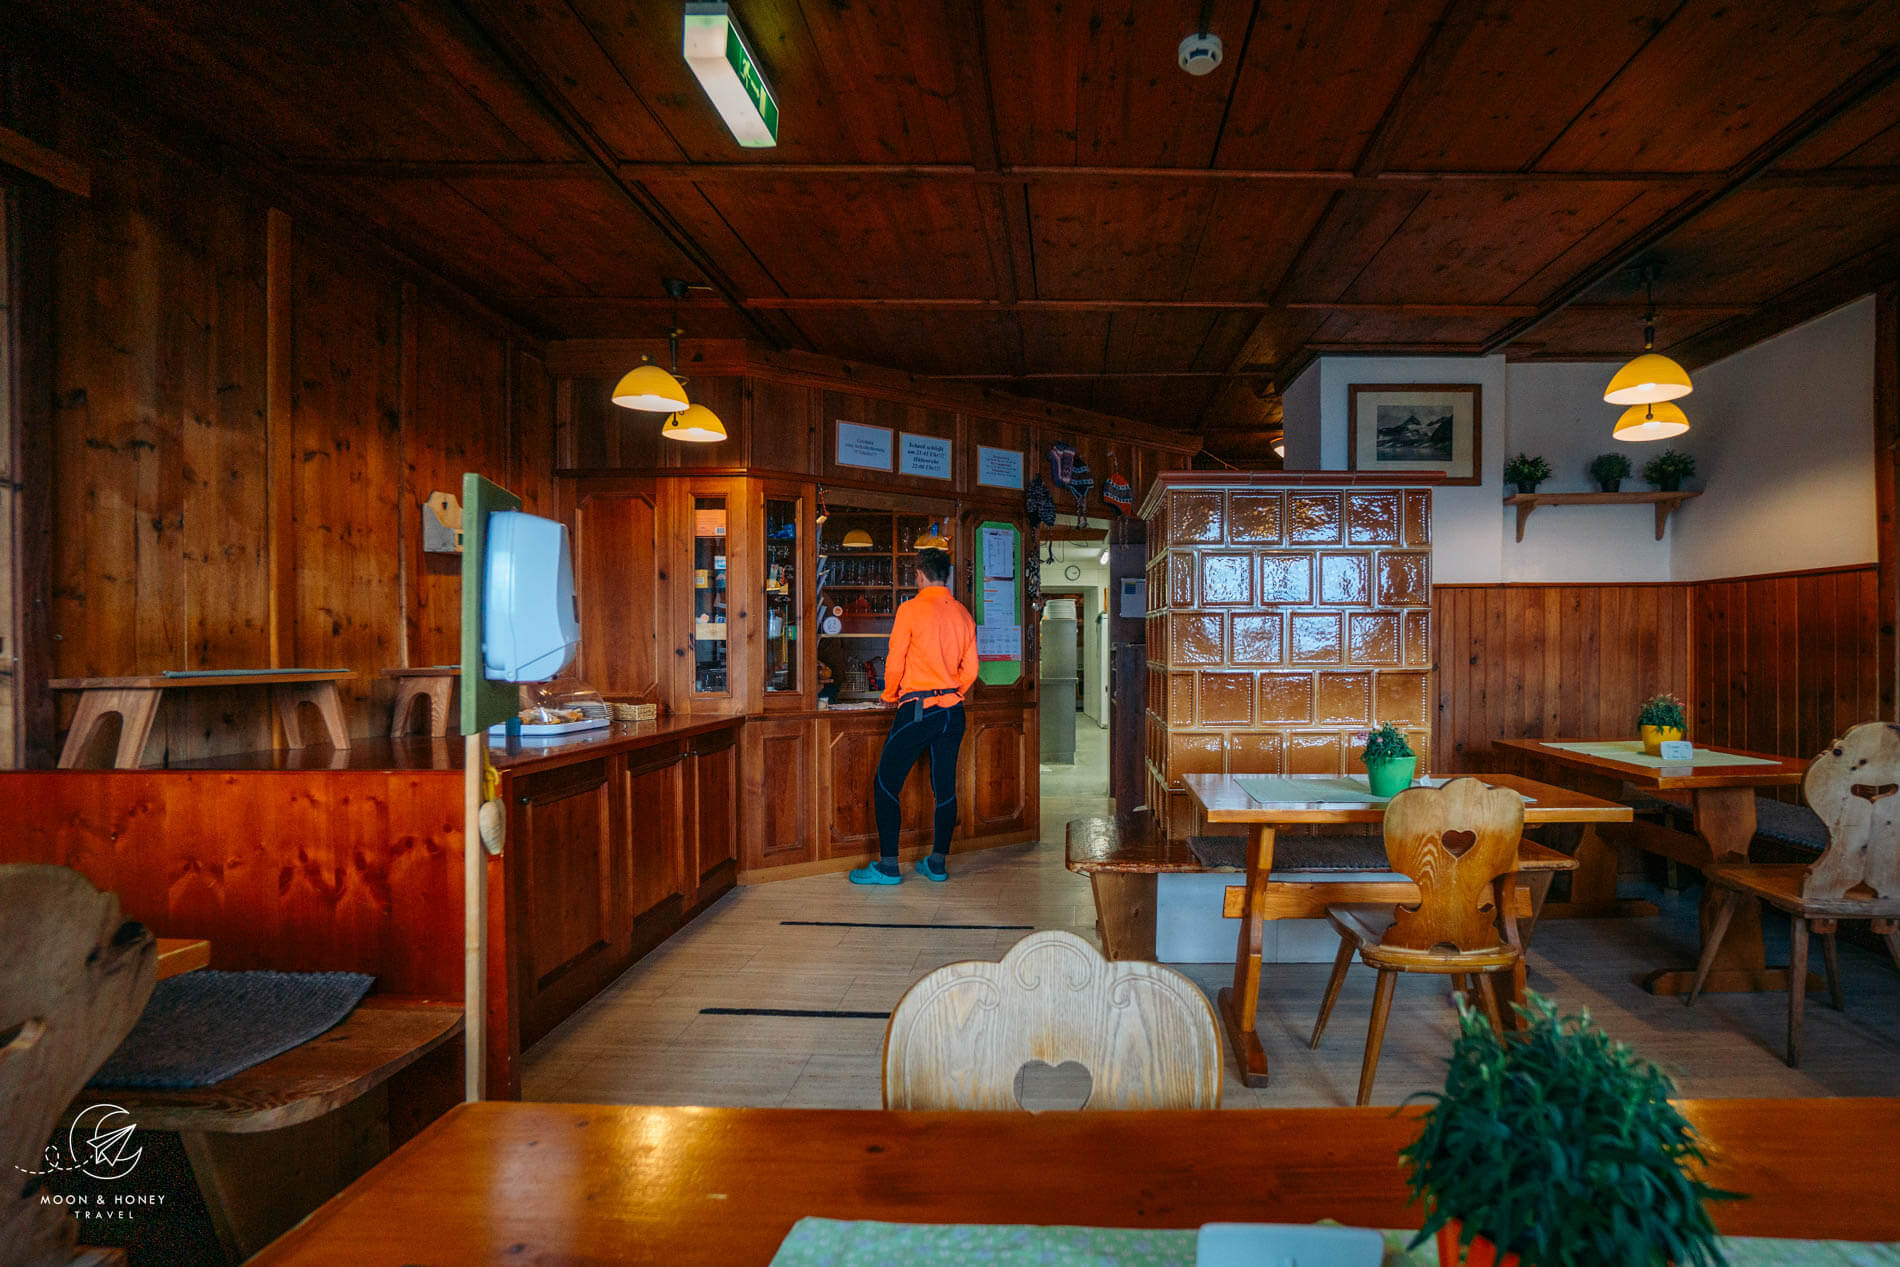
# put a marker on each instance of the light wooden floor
(645, 1041)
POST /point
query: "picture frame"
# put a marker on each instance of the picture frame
(1416, 428)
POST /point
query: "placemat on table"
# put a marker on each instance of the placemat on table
(1631, 750)
(201, 1027)
(1270, 789)
(840, 1243)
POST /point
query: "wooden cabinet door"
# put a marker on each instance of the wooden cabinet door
(656, 831)
(571, 885)
(618, 584)
(998, 753)
(780, 792)
(851, 749)
(713, 786)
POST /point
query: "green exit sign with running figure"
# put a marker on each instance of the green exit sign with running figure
(723, 62)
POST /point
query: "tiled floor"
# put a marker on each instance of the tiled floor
(645, 1041)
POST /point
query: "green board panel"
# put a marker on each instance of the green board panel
(483, 702)
(998, 672)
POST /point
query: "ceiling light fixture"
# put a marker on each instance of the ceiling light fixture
(1657, 420)
(651, 389)
(1279, 450)
(1652, 376)
(723, 63)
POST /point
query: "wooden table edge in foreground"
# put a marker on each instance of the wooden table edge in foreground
(1220, 799)
(597, 1183)
(1722, 804)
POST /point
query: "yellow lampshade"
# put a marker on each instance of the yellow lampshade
(1650, 377)
(695, 424)
(1655, 421)
(651, 388)
(856, 539)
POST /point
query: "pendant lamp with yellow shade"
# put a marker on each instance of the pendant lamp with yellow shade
(649, 388)
(1657, 420)
(1651, 377)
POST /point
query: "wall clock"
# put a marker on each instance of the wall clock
(1072, 573)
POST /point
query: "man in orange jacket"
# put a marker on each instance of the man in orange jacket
(930, 667)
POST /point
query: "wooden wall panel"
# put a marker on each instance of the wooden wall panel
(1784, 664)
(1551, 661)
(345, 439)
(165, 470)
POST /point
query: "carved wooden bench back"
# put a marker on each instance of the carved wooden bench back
(1854, 787)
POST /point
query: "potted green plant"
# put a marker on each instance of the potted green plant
(1554, 1146)
(1668, 469)
(1661, 720)
(1390, 761)
(1609, 470)
(1526, 472)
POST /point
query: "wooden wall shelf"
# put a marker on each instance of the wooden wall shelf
(1665, 504)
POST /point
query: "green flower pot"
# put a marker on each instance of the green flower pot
(1388, 776)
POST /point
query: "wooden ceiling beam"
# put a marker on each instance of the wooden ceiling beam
(543, 89)
(30, 158)
(1426, 75)
(1006, 229)
(1869, 80)
(955, 303)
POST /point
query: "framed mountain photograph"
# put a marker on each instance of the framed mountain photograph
(1396, 428)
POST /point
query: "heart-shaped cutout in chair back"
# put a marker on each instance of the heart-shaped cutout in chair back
(1041, 1087)
(1459, 842)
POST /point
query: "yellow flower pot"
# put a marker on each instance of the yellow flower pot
(1654, 737)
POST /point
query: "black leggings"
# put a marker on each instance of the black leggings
(914, 730)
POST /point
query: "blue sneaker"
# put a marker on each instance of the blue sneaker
(873, 875)
(932, 867)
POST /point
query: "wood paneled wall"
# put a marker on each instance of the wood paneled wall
(248, 416)
(1777, 664)
(1551, 660)
(1784, 664)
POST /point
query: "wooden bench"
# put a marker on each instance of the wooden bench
(1123, 857)
(270, 1144)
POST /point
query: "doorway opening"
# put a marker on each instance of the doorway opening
(1073, 664)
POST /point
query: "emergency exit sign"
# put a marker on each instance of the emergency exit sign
(723, 62)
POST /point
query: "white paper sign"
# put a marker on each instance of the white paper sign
(866, 447)
(999, 642)
(999, 602)
(923, 455)
(1677, 750)
(1134, 596)
(999, 468)
(999, 554)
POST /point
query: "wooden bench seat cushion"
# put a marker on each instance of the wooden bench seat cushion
(1362, 852)
(1795, 825)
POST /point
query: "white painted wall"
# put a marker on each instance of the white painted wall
(1094, 584)
(1783, 437)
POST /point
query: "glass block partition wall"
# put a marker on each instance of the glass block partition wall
(1286, 615)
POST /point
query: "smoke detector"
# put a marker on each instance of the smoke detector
(1199, 53)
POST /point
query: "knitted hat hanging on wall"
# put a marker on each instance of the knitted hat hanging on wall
(1081, 481)
(1040, 509)
(1116, 490)
(1061, 463)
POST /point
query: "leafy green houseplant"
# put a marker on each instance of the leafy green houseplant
(1609, 470)
(1390, 761)
(1526, 472)
(1668, 469)
(1662, 718)
(1558, 1145)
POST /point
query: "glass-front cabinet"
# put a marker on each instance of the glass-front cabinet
(711, 652)
(784, 539)
(866, 568)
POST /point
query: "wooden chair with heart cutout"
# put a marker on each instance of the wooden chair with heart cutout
(984, 1035)
(1855, 789)
(1459, 844)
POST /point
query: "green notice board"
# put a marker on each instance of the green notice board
(997, 599)
(483, 702)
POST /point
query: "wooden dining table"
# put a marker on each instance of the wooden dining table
(1721, 798)
(572, 1183)
(1221, 799)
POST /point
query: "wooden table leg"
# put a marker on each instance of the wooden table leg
(1725, 822)
(1593, 883)
(137, 708)
(1239, 1003)
(329, 703)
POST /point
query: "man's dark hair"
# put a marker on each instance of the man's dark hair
(935, 565)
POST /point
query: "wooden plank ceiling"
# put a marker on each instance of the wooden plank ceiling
(1034, 195)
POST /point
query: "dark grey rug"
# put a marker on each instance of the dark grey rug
(202, 1027)
(1297, 853)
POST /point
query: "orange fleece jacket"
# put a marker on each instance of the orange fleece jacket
(933, 645)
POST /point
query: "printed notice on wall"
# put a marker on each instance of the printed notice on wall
(1134, 597)
(999, 602)
(999, 642)
(923, 455)
(868, 448)
(999, 468)
(999, 554)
